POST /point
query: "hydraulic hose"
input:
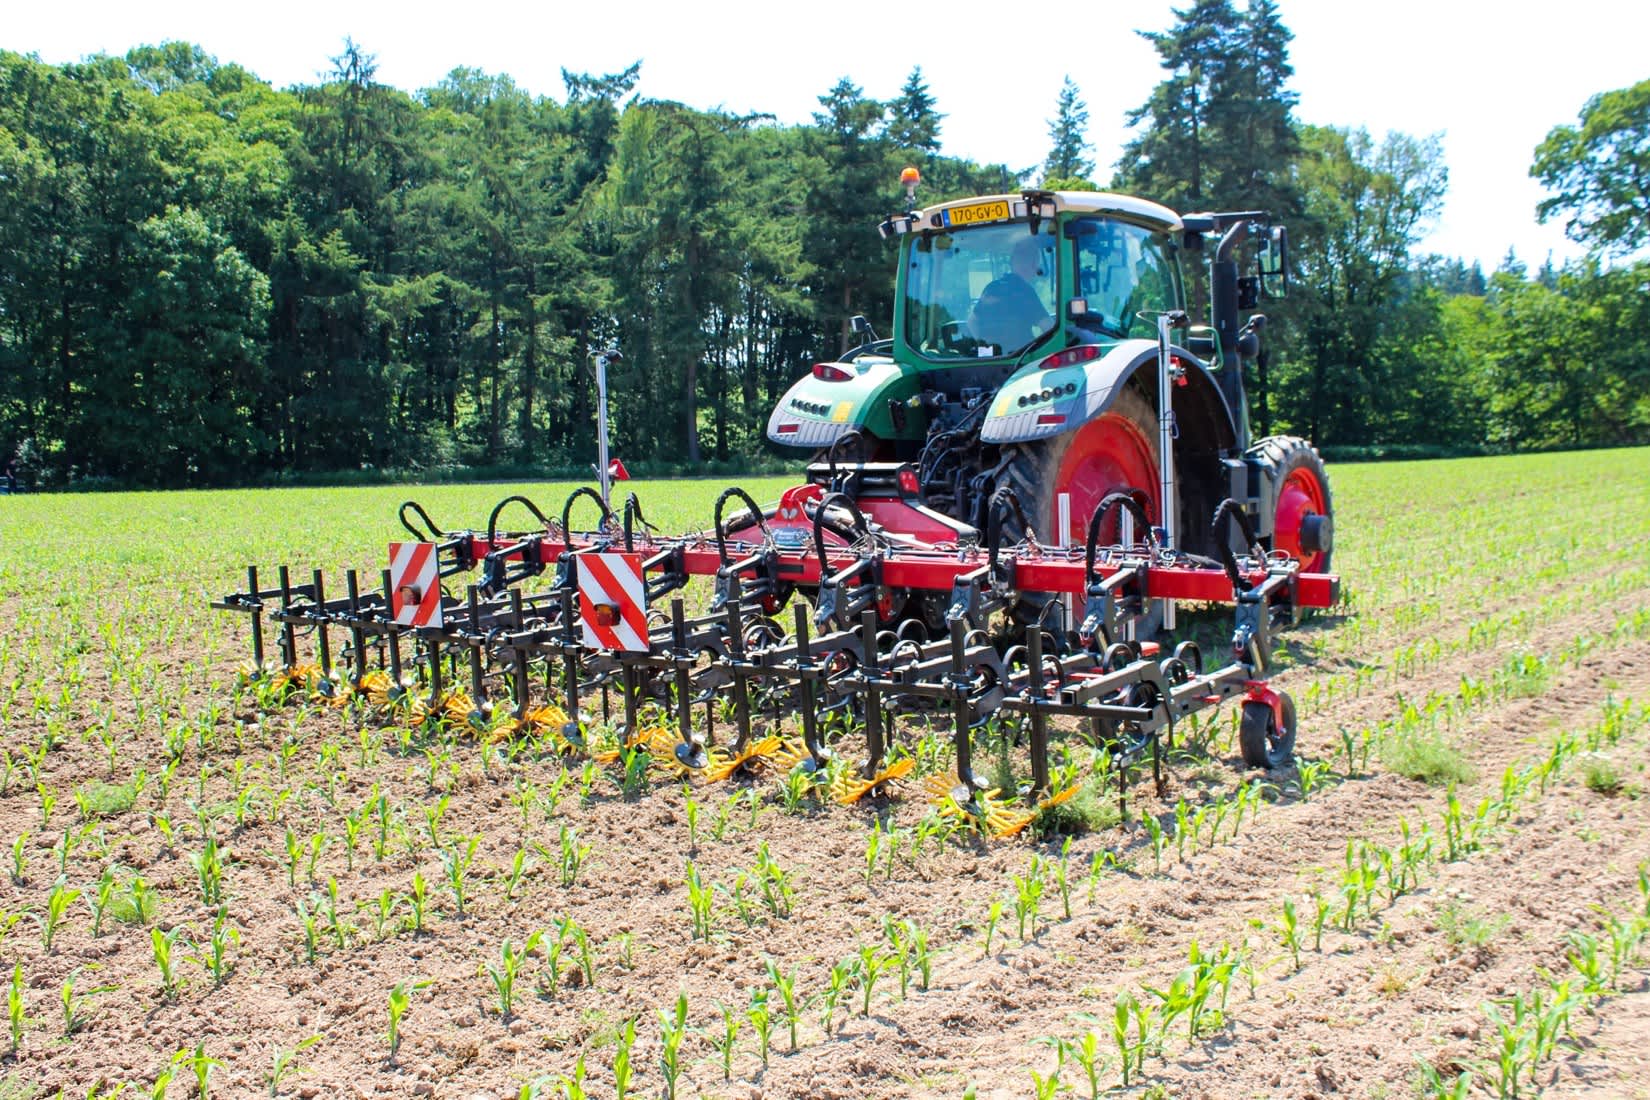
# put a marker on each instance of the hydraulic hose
(1226, 510)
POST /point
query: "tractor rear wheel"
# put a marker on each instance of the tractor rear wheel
(1114, 452)
(1262, 741)
(1302, 519)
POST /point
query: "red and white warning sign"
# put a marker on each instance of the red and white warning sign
(415, 584)
(613, 602)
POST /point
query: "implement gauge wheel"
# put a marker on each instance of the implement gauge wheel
(1260, 740)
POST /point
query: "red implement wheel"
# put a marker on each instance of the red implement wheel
(1263, 742)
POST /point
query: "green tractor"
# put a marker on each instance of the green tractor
(1041, 342)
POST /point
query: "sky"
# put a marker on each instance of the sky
(1491, 78)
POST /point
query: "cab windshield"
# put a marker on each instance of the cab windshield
(981, 292)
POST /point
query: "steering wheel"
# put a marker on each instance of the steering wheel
(954, 336)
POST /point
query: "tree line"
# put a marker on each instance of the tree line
(205, 279)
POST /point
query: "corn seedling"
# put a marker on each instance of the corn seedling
(284, 1064)
(1085, 1051)
(208, 864)
(73, 1003)
(777, 893)
(549, 980)
(1129, 1053)
(400, 1000)
(626, 944)
(162, 946)
(836, 986)
(1289, 931)
(417, 901)
(98, 900)
(19, 858)
(16, 1010)
(785, 985)
(218, 943)
(1154, 830)
(382, 911)
(1028, 893)
(1433, 1086)
(868, 967)
(900, 951)
(57, 905)
(725, 1040)
(456, 861)
(994, 915)
(762, 1023)
(672, 1030)
(572, 856)
(513, 877)
(1584, 957)
(1320, 914)
(587, 956)
(201, 1066)
(701, 898)
(504, 974)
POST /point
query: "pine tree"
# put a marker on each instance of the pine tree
(912, 121)
(1068, 131)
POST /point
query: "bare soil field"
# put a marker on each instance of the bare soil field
(1445, 895)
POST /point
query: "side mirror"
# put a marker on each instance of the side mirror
(1273, 263)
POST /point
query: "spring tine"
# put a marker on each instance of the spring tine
(357, 637)
(289, 642)
(741, 685)
(478, 691)
(257, 620)
(394, 635)
(1039, 720)
(519, 657)
(963, 708)
(322, 643)
(874, 742)
(817, 753)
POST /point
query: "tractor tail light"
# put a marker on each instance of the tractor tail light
(830, 372)
(607, 614)
(1068, 358)
(908, 481)
(1050, 420)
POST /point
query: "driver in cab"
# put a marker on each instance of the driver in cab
(1010, 312)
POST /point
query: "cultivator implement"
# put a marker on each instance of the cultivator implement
(587, 637)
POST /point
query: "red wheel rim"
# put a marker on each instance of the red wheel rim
(1108, 454)
(1302, 495)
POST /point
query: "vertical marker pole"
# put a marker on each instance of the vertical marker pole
(1165, 449)
(1063, 510)
(601, 361)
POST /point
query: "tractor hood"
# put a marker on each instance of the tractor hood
(838, 397)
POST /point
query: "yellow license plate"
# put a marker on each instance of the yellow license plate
(978, 212)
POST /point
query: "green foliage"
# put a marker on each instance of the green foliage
(1068, 137)
(1600, 171)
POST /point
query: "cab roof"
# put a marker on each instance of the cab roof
(1127, 207)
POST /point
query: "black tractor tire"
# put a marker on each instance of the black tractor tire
(1261, 742)
(1285, 458)
(1032, 474)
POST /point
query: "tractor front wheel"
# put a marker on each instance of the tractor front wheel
(1302, 518)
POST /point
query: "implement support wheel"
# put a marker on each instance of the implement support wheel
(1262, 742)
